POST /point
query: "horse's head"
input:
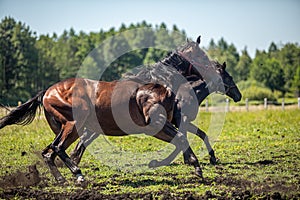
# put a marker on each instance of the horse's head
(227, 86)
(190, 60)
(200, 61)
(194, 54)
(213, 73)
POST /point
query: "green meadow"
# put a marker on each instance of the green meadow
(258, 152)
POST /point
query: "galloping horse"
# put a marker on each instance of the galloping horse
(184, 111)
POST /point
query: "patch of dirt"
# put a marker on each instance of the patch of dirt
(24, 179)
(245, 189)
(19, 184)
(91, 194)
(94, 193)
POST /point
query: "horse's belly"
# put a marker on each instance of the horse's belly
(116, 109)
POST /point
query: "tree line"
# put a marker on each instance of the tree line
(30, 63)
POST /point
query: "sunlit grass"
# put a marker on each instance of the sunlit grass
(257, 150)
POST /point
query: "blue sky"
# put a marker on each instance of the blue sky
(254, 23)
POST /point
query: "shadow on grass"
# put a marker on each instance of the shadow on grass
(147, 182)
(260, 162)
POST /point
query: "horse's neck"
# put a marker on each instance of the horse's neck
(201, 90)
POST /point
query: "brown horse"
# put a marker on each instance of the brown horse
(77, 104)
(71, 97)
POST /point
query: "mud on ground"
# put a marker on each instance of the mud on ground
(31, 184)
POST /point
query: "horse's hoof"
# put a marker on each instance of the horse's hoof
(213, 160)
(80, 181)
(80, 178)
(153, 164)
(61, 180)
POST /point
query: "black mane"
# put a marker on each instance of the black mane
(169, 72)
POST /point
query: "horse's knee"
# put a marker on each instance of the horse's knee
(48, 154)
(181, 141)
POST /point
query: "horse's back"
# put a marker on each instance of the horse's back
(112, 108)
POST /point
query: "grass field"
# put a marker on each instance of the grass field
(259, 156)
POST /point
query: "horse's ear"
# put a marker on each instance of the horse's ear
(187, 40)
(199, 39)
(224, 65)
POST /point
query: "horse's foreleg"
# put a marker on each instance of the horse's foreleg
(195, 130)
(171, 135)
(189, 156)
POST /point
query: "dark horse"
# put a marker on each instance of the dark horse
(75, 105)
(185, 113)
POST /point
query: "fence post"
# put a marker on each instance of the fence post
(265, 103)
(206, 105)
(282, 104)
(299, 102)
(247, 104)
(227, 105)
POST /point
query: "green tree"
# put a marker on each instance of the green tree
(268, 71)
(289, 57)
(18, 60)
(116, 57)
(178, 37)
(65, 50)
(163, 39)
(243, 66)
(47, 73)
(258, 69)
(163, 43)
(224, 52)
(211, 46)
(273, 50)
(154, 55)
(276, 75)
(296, 82)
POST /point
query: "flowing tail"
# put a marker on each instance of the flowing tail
(23, 114)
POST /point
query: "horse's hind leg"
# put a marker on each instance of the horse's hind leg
(171, 135)
(49, 157)
(67, 136)
(86, 139)
(48, 154)
(189, 156)
(78, 151)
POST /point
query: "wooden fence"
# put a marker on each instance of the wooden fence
(210, 108)
(248, 107)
